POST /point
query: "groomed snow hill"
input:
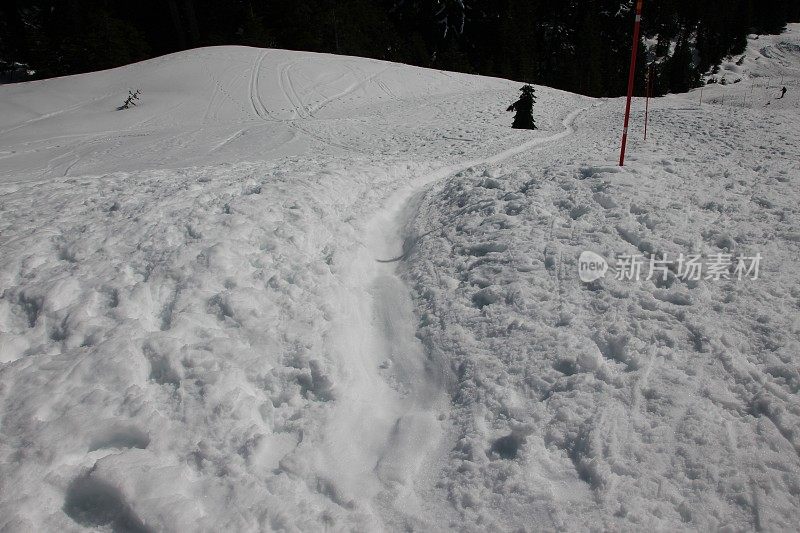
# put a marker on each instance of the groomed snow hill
(301, 292)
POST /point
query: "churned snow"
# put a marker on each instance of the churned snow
(292, 291)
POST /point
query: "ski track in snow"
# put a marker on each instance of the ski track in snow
(255, 95)
(386, 427)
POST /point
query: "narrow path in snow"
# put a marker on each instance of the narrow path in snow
(391, 412)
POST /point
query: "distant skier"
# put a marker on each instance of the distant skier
(523, 120)
(783, 93)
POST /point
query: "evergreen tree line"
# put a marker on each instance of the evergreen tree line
(576, 45)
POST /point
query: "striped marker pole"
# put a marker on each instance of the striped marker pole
(648, 84)
(631, 78)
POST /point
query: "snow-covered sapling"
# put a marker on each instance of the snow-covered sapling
(523, 120)
(131, 100)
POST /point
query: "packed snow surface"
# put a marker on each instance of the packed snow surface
(302, 292)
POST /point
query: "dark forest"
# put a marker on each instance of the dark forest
(581, 46)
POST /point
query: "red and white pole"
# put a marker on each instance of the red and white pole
(631, 79)
(648, 84)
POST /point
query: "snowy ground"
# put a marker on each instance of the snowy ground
(301, 292)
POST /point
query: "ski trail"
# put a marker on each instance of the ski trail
(349, 90)
(229, 140)
(290, 92)
(392, 406)
(287, 88)
(255, 96)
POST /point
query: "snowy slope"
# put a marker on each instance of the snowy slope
(623, 405)
(663, 405)
(224, 104)
(754, 79)
(203, 347)
(293, 291)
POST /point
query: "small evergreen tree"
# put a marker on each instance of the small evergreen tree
(523, 120)
(133, 97)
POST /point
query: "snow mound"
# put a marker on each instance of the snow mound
(208, 106)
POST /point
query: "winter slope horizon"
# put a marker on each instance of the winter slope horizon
(218, 346)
